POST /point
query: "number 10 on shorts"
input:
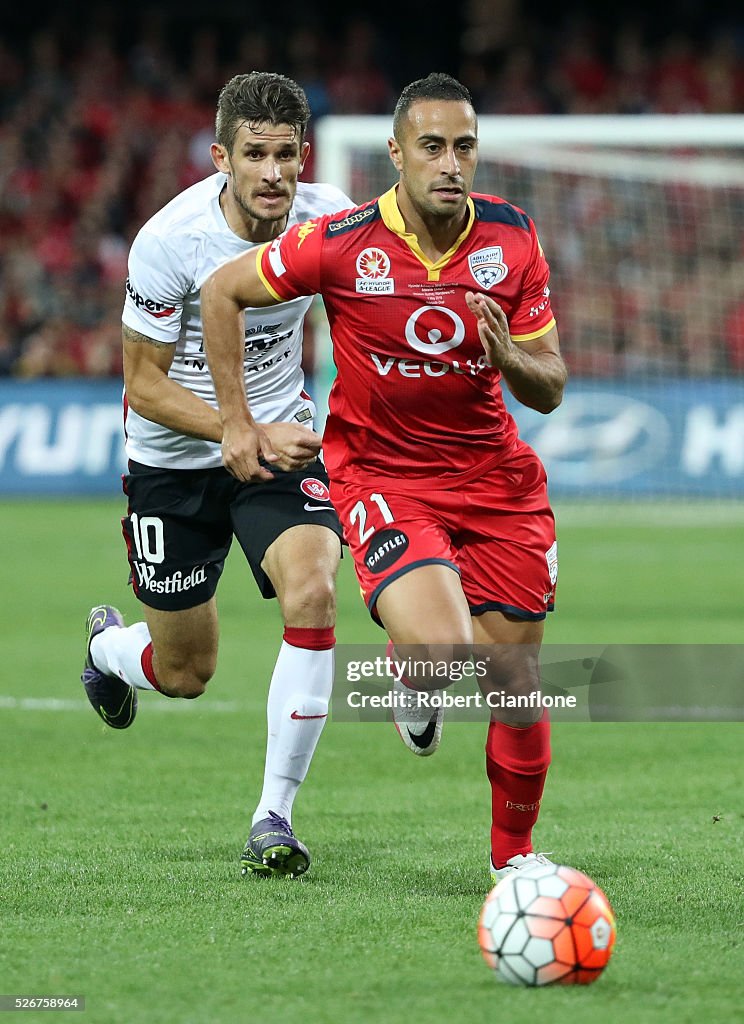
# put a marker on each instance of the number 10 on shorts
(148, 538)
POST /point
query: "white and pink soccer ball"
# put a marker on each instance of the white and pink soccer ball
(547, 924)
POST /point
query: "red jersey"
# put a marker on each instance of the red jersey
(413, 396)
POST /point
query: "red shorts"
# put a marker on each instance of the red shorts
(497, 532)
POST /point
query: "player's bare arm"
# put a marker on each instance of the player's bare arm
(224, 296)
(153, 394)
(534, 370)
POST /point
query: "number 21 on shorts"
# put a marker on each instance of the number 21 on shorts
(360, 512)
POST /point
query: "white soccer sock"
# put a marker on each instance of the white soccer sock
(296, 712)
(118, 652)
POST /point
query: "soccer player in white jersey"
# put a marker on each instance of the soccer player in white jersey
(184, 507)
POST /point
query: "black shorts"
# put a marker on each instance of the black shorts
(180, 524)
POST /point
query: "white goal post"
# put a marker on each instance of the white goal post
(336, 138)
(642, 221)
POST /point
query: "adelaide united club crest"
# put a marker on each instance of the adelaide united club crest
(487, 266)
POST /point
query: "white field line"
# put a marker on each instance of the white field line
(68, 704)
(671, 713)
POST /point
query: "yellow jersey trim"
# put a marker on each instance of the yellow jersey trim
(535, 334)
(393, 220)
(264, 281)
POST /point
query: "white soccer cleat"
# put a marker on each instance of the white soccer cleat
(517, 863)
(419, 726)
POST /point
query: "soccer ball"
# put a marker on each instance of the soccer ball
(546, 924)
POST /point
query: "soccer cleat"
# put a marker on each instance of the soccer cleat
(273, 849)
(420, 728)
(113, 700)
(517, 863)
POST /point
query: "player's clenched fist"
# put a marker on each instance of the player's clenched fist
(242, 446)
(295, 446)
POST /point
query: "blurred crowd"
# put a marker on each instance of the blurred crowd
(99, 128)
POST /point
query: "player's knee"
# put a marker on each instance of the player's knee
(310, 601)
(186, 681)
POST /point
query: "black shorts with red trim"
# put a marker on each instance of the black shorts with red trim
(180, 524)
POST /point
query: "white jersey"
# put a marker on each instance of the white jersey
(171, 258)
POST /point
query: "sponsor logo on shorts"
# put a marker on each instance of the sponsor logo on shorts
(156, 309)
(315, 489)
(551, 557)
(176, 583)
(384, 550)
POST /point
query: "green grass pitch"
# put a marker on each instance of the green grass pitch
(119, 876)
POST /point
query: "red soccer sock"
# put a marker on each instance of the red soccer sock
(320, 639)
(148, 670)
(517, 763)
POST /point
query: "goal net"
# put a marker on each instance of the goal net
(642, 221)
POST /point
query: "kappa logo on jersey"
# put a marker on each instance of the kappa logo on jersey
(315, 489)
(487, 266)
(352, 221)
(156, 309)
(434, 329)
(306, 229)
(373, 267)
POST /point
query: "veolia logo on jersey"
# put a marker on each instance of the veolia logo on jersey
(487, 266)
(434, 329)
(373, 267)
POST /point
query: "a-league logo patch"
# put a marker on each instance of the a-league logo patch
(315, 489)
(373, 268)
(487, 266)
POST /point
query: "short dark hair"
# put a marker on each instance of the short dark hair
(259, 97)
(436, 86)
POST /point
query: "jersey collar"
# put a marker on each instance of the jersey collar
(393, 220)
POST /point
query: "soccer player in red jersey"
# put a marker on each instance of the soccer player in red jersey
(435, 297)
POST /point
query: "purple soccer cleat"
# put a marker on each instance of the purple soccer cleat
(113, 700)
(273, 849)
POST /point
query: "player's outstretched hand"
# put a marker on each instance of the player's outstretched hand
(241, 448)
(295, 446)
(493, 328)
